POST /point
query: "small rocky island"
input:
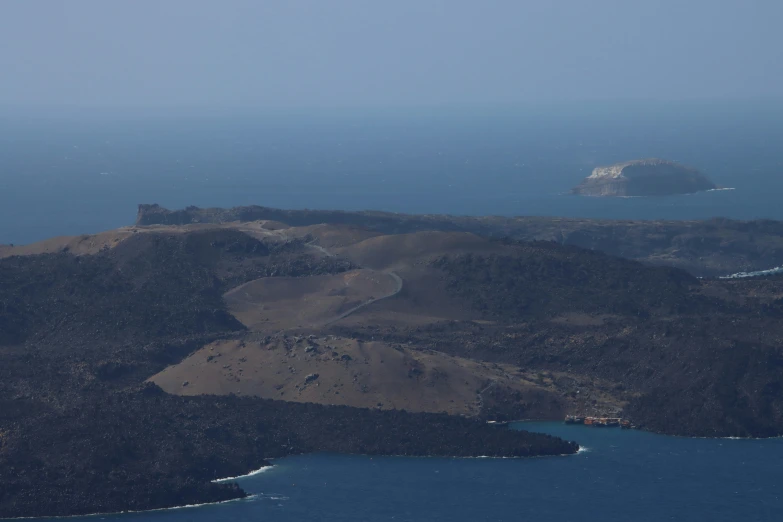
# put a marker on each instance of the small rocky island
(647, 177)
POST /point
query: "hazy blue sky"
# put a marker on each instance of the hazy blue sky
(392, 52)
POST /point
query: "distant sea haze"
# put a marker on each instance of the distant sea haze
(75, 174)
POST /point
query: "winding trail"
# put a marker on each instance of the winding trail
(758, 273)
(343, 315)
(398, 288)
(481, 396)
(320, 248)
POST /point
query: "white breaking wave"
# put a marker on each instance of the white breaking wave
(187, 506)
(758, 273)
(582, 449)
(130, 511)
(256, 472)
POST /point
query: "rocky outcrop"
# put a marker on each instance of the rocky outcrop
(648, 177)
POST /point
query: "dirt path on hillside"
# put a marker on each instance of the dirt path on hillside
(343, 315)
(397, 280)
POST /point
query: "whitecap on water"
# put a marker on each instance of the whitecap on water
(252, 473)
(759, 273)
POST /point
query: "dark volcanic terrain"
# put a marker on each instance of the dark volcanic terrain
(140, 364)
(82, 432)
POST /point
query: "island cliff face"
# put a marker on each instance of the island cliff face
(648, 177)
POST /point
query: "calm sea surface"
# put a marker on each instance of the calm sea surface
(622, 475)
(73, 173)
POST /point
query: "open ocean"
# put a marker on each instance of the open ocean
(64, 173)
(68, 173)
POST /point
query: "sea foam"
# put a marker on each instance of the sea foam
(252, 473)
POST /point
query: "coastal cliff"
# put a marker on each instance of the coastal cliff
(648, 177)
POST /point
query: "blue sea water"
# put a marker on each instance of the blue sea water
(67, 173)
(621, 475)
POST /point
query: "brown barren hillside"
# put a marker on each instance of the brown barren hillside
(712, 247)
(345, 371)
(405, 250)
(518, 303)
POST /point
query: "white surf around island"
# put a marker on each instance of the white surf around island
(719, 189)
(137, 511)
(188, 506)
(757, 273)
(251, 474)
(172, 508)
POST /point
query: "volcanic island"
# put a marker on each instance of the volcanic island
(646, 177)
